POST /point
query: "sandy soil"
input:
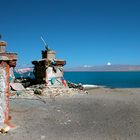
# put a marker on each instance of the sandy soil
(103, 114)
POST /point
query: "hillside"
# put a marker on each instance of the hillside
(106, 68)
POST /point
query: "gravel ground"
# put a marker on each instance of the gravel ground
(103, 114)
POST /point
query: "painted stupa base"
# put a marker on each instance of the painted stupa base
(7, 60)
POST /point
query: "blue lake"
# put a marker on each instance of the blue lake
(109, 79)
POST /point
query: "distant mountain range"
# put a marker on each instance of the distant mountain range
(106, 68)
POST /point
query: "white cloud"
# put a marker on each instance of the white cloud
(108, 64)
(87, 66)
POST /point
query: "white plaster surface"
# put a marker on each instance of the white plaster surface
(2, 94)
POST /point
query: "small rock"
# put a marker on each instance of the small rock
(43, 137)
(38, 91)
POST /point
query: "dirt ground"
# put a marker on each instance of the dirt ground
(103, 114)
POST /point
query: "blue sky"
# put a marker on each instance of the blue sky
(83, 32)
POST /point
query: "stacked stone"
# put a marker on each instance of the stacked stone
(43, 91)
